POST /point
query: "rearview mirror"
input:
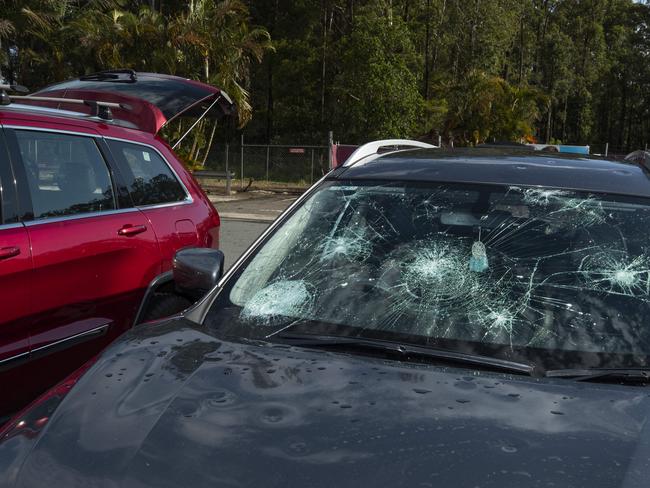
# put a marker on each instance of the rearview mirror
(197, 270)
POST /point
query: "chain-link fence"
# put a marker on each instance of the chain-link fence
(301, 165)
(613, 151)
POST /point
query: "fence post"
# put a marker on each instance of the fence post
(439, 141)
(242, 162)
(311, 177)
(228, 182)
(330, 144)
(606, 148)
(646, 146)
(268, 150)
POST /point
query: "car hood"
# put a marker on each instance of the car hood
(171, 405)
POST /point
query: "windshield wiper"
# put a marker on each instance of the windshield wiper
(406, 352)
(604, 375)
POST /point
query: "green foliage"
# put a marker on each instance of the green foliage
(209, 40)
(374, 93)
(486, 107)
(485, 69)
(474, 70)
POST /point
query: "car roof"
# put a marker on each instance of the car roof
(32, 116)
(36, 111)
(504, 167)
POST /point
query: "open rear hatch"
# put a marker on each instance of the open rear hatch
(145, 101)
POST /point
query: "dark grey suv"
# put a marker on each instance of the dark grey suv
(418, 318)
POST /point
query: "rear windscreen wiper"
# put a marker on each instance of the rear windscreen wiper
(404, 351)
(604, 375)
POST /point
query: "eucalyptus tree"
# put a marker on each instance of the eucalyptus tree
(374, 93)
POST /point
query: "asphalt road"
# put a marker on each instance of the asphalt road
(255, 206)
(236, 236)
(244, 216)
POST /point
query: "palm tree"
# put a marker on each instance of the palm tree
(7, 30)
(210, 40)
(41, 31)
(216, 43)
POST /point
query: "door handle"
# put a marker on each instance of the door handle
(9, 252)
(131, 230)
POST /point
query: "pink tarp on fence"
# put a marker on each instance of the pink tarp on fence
(340, 153)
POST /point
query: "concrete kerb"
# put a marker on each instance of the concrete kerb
(250, 195)
(246, 217)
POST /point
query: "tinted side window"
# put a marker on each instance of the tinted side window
(66, 174)
(147, 176)
(8, 208)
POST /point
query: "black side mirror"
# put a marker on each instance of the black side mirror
(197, 270)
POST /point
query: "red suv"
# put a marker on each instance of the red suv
(93, 206)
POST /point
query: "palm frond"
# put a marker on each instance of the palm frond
(7, 28)
(41, 21)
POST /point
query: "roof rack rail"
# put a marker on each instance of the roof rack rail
(371, 148)
(4, 87)
(99, 109)
(112, 75)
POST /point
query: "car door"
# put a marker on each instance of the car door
(157, 191)
(15, 270)
(93, 256)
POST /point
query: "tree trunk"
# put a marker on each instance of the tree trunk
(472, 35)
(434, 60)
(427, 42)
(548, 122)
(269, 100)
(195, 149)
(621, 117)
(542, 25)
(564, 114)
(628, 141)
(521, 46)
(207, 150)
(269, 79)
(323, 67)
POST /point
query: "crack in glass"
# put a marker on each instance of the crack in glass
(517, 266)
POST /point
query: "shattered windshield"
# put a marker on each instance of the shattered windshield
(557, 277)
